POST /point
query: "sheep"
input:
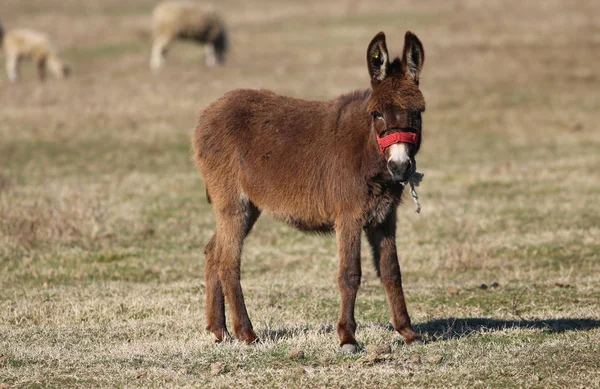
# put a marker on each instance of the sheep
(22, 44)
(186, 20)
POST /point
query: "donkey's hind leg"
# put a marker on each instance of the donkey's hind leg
(234, 222)
(215, 302)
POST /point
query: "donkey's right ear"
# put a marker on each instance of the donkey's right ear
(377, 58)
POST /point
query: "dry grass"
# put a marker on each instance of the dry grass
(103, 217)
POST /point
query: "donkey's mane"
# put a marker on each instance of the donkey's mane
(395, 67)
(348, 98)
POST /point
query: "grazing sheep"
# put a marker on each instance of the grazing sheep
(28, 44)
(187, 20)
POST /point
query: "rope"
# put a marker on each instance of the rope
(415, 180)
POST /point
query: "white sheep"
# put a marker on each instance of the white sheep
(187, 20)
(22, 44)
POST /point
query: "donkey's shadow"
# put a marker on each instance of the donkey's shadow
(448, 328)
(452, 328)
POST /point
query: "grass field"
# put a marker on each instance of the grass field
(103, 217)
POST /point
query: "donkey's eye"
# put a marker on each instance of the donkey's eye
(377, 115)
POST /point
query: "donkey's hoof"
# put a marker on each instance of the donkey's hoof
(411, 336)
(225, 339)
(349, 348)
(249, 338)
(221, 334)
(254, 341)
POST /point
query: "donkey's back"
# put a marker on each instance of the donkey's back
(261, 117)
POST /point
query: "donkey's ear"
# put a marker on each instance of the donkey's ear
(413, 56)
(377, 58)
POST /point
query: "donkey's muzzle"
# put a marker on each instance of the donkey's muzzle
(401, 171)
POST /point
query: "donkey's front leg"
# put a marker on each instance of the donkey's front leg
(349, 273)
(382, 238)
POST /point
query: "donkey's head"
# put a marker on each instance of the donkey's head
(396, 103)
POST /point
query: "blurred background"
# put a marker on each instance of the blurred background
(103, 217)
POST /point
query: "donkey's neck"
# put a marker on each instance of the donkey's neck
(355, 133)
(354, 129)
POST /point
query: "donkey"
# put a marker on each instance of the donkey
(321, 166)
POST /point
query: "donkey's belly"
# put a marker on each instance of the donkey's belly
(300, 202)
(308, 226)
(292, 206)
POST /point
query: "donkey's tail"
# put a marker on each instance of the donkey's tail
(208, 197)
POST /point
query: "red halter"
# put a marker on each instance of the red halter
(397, 137)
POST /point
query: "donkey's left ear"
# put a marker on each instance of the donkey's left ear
(413, 56)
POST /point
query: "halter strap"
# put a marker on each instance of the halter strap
(397, 137)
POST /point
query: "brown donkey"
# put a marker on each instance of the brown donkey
(323, 166)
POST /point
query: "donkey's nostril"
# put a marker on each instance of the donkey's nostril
(400, 170)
